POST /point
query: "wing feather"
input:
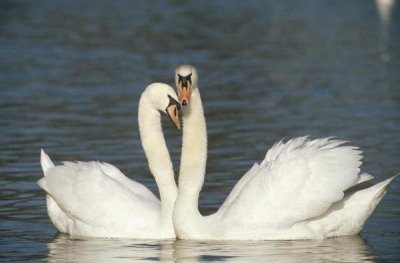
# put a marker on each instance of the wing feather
(298, 179)
(98, 195)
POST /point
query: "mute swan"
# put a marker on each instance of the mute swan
(296, 192)
(95, 199)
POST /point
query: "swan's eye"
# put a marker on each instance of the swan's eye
(172, 111)
(172, 102)
(184, 88)
(185, 80)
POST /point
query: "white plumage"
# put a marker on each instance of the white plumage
(297, 192)
(96, 199)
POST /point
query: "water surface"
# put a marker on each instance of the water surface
(71, 74)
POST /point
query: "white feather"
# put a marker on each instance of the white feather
(296, 192)
(96, 199)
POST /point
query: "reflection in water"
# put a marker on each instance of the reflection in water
(65, 249)
(385, 9)
(344, 249)
(71, 76)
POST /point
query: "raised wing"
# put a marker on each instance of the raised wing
(298, 179)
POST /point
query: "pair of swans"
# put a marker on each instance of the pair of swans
(301, 190)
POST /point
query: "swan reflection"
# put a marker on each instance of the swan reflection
(344, 249)
(66, 249)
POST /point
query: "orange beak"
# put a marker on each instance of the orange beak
(184, 93)
(172, 112)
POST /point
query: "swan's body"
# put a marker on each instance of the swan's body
(95, 199)
(296, 192)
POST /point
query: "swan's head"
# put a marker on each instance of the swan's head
(186, 82)
(163, 98)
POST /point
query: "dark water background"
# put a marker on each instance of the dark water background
(71, 74)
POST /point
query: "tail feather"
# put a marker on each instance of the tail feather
(364, 177)
(348, 216)
(381, 187)
(45, 161)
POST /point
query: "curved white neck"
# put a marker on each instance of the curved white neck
(158, 157)
(194, 147)
(187, 217)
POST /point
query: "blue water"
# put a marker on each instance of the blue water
(71, 74)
